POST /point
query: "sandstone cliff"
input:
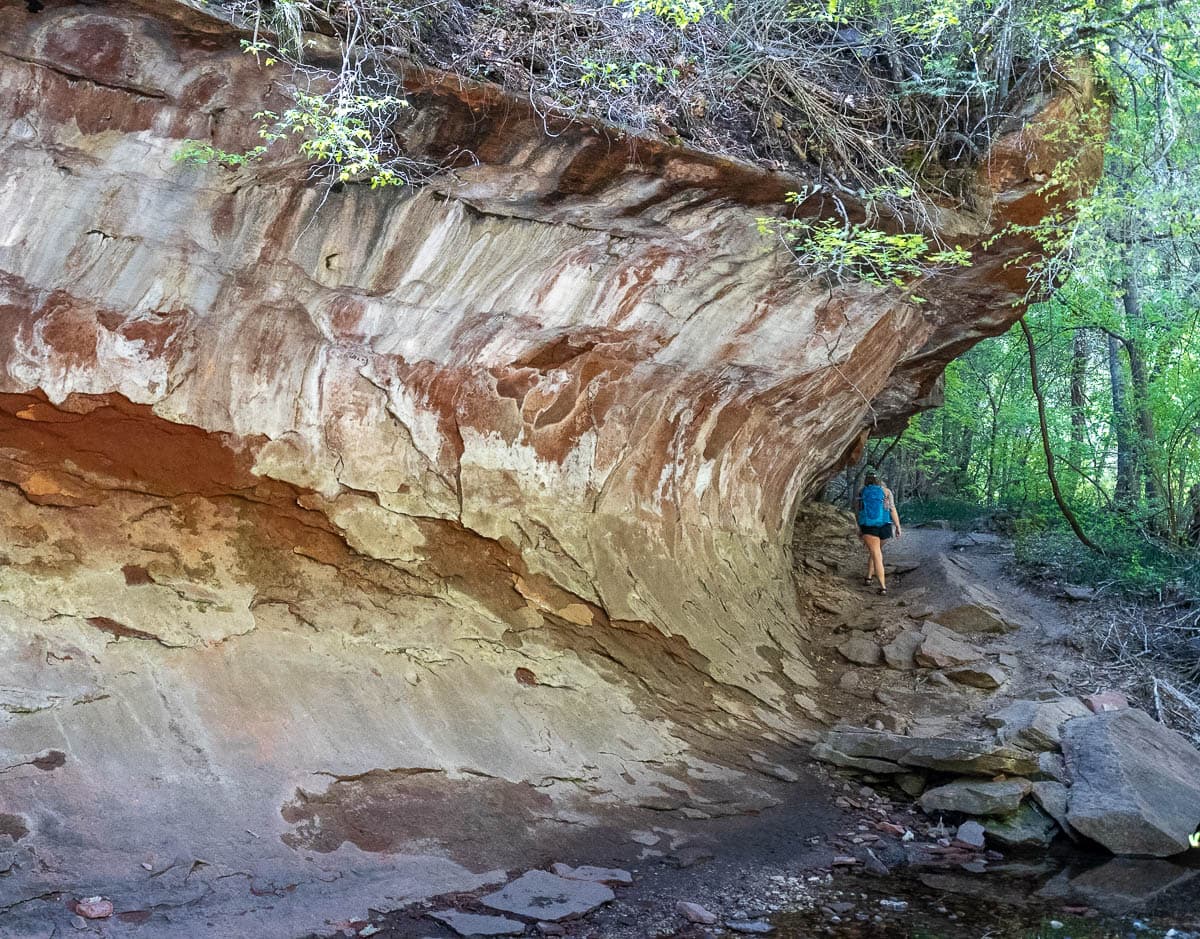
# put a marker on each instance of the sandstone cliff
(492, 480)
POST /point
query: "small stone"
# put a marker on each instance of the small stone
(369, 930)
(937, 678)
(861, 651)
(79, 922)
(751, 927)
(695, 913)
(844, 860)
(1078, 594)
(94, 908)
(987, 677)
(970, 833)
(597, 875)
(1106, 701)
(551, 929)
(896, 906)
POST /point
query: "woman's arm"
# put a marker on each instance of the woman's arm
(891, 504)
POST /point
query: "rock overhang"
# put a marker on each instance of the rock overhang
(509, 460)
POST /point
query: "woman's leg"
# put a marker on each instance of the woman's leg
(875, 546)
(874, 557)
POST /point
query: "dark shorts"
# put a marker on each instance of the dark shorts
(882, 532)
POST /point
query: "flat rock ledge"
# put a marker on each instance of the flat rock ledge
(475, 924)
(544, 896)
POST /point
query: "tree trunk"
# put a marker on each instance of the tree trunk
(1079, 361)
(1041, 408)
(1146, 463)
(1120, 406)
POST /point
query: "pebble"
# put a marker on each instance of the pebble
(896, 906)
(695, 913)
(94, 908)
(756, 927)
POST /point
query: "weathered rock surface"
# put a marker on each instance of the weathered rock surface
(334, 511)
(1135, 784)
(976, 797)
(1035, 725)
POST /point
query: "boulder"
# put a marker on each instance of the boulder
(942, 648)
(1135, 784)
(946, 754)
(546, 896)
(861, 651)
(980, 612)
(987, 677)
(899, 653)
(1035, 725)
(976, 797)
(1028, 827)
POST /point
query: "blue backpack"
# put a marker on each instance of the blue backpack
(874, 509)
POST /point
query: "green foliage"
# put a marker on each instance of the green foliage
(339, 132)
(620, 77)
(198, 153)
(846, 251)
(679, 13)
(336, 133)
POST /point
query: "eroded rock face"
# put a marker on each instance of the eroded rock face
(312, 496)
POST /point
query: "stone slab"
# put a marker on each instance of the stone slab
(545, 896)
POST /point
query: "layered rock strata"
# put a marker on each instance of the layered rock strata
(314, 495)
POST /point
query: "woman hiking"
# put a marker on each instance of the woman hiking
(876, 518)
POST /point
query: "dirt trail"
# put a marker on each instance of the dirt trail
(936, 575)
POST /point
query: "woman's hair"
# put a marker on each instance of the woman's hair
(872, 479)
